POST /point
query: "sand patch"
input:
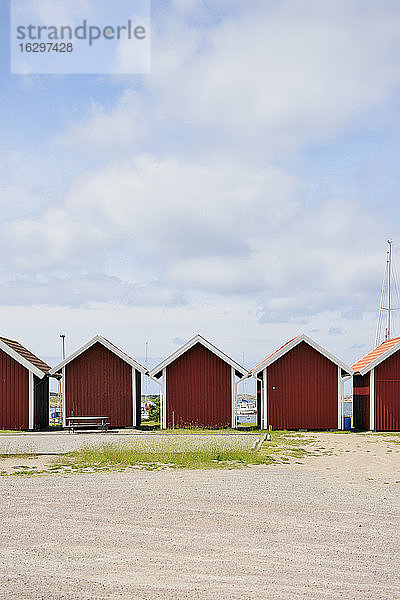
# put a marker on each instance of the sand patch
(353, 457)
(12, 465)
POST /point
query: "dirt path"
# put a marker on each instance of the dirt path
(310, 531)
(356, 458)
(62, 441)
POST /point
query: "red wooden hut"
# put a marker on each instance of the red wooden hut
(24, 388)
(99, 380)
(198, 386)
(376, 388)
(300, 386)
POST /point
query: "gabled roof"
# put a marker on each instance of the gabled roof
(376, 356)
(198, 339)
(28, 360)
(107, 344)
(290, 345)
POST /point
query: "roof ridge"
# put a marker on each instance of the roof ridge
(106, 343)
(370, 357)
(277, 350)
(26, 355)
(199, 339)
(295, 341)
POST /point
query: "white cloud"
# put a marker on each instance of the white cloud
(55, 12)
(230, 326)
(199, 186)
(322, 261)
(262, 81)
(85, 290)
(194, 230)
(107, 132)
(276, 75)
(168, 209)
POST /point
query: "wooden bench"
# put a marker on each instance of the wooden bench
(73, 423)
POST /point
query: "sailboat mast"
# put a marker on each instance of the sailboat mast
(387, 337)
(384, 325)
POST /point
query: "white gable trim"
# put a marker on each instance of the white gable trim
(340, 422)
(198, 339)
(21, 360)
(134, 397)
(106, 344)
(31, 401)
(372, 401)
(163, 401)
(301, 338)
(233, 400)
(379, 359)
(63, 399)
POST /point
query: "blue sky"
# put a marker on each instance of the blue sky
(245, 189)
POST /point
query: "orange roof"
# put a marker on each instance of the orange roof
(276, 352)
(26, 354)
(363, 363)
(294, 342)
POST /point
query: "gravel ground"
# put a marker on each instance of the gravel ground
(60, 442)
(274, 532)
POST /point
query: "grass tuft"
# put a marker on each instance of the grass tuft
(184, 452)
(167, 455)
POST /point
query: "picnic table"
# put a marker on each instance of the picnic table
(73, 423)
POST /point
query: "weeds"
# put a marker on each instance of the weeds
(183, 452)
(166, 455)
